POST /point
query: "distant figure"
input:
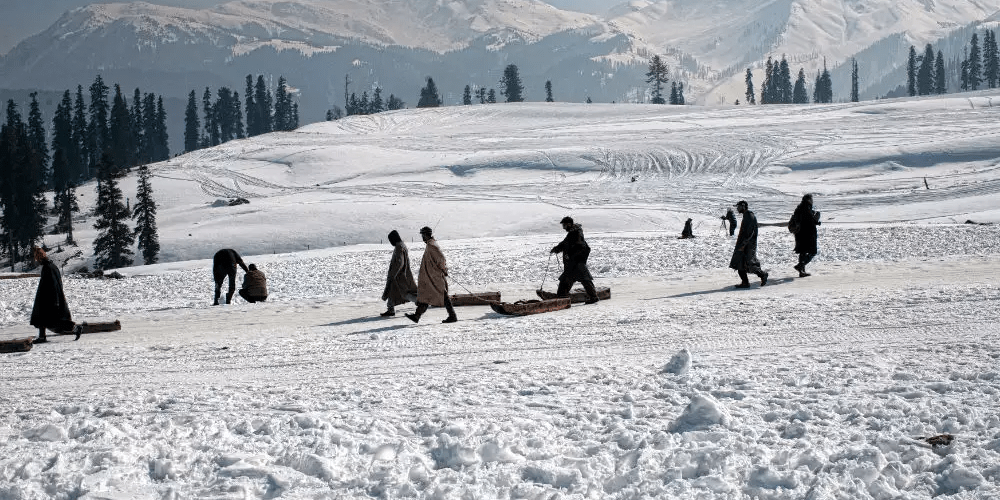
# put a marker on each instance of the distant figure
(925, 183)
(399, 285)
(50, 309)
(745, 254)
(804, 222)
(224, 264)
(432, 284)
(575, 252)
(731, 217)
(254, 285)
(687, 232)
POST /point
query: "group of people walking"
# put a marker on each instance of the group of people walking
(51, 312)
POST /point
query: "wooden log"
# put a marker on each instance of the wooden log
(16, 345)
(96, 326)
(474, 299)
(577, 295)
(526, 307)
(18, 276)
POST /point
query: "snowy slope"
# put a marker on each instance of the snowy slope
(678, 387)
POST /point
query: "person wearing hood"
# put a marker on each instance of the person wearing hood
(399, 285)
(804, 222)
(254, 285)
(687, 232)
(224, 265)
(745, 254)
(575, 254)
(50, 310)
(432, 282)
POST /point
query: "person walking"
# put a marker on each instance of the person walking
(575, 252)
(399, 285)
(254, 285)
(731, 217)
(432, 282)
(224, 264)
(745, 254)
(803, 225)
(50, 310)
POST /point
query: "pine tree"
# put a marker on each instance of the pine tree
(251, 108)
(925, 75)
(429, 97)
(36, 137)
(161, 139)
(22, 192)
(510, 84)
(377, 104)
(467, 96)
(975, 64)
(751, 98)
(363, 105)
(240, 131)
(113, 245)
(785, 82)
(295, 116)
(150, 127)
(394, 103)
(225, 114)
(680, 93)
(120, 127)
(548, 91)
(139, 136)
(491, 97)
(481, 94)
(964, 78)
(855, 95)
(673, 93)
(911, 72)
(799, 94)
(99, 136)
(210, 136)
(80, 163)
(766, 90)
(940, 80)
(191, 125)
(283, 106)
(991, 59)
(823, 92)
(262, 99)
(62, 150)
(145, 218)
(657, 77)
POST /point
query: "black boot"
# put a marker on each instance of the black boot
(41, 337)
(78, 330)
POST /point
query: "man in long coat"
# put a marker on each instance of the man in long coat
(575, 252)
(731, 218)
(745, 254)
(50, 309)
(805, 220)
(399, 285)
(432, 282)
(224, 265)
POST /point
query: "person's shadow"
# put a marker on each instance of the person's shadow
(727, 288)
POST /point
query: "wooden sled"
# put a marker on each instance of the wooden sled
(16, 345)
(577, 295)
(474, 299)
(96, 326)
(526, 307)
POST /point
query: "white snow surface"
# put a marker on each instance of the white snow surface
(807, 388)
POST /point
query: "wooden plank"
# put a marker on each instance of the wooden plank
(16, 345)
(18, 276)
(96, 326)
(474, 299)
(526, 307)
(577, 295)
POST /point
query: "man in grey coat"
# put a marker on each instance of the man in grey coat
(745, 254)
(399, 285)
(432, 285)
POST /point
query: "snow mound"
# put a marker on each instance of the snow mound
(701, 413)
(679, 364)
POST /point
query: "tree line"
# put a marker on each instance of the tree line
(222, 119)
(89, 138)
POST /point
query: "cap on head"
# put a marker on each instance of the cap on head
(252, 267)
(394, 237)
(425, 230)
(743, 203)
(566, 220)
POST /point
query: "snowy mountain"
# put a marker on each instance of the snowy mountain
(396, 45)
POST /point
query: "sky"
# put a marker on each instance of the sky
(22, 19)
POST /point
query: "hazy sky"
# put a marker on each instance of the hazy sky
(20, 19)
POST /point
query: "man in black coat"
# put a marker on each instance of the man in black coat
(224, 264)
(731, 217)
(745, 254)
(50, 309)
(804, 222)
(687, 232)
(575, 253)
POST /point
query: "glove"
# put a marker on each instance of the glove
(555, 250)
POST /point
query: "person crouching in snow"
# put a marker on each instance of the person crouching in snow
(254, 285)
(50, 309)
(399, 285)
(575, 253)
(687, 232)
(432, 282)
(745, 254)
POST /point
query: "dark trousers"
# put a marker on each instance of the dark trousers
(805, 258)
(251, 298)
(756, 270)
(565, 285)
(220, 276)
(422, 308)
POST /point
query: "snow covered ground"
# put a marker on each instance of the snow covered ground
(678, 387)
